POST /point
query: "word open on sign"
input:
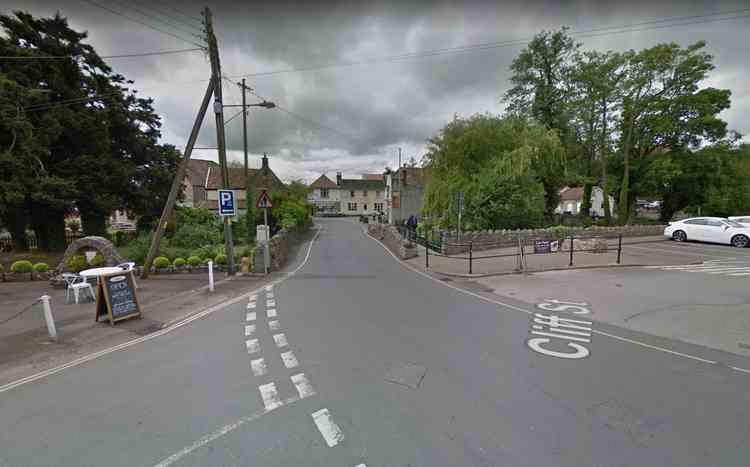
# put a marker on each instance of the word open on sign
(559, 337)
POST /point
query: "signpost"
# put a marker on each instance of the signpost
(264, 202)
(227, 206)
(116, 298)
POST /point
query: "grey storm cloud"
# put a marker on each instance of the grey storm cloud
(354, 115)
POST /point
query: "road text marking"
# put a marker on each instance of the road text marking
(251, 305)
(270, 303)
(327, 427)
(249, 330)
(250, 316)
(271, 312)
(274, 325)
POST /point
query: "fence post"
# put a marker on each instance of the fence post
(426, 254)
(48, 317)
(471, 244)
(619, 248)
(210, 275)
(571, 251)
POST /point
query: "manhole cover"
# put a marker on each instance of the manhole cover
(405, 374)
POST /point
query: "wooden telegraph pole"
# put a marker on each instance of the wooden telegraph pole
(213, 89)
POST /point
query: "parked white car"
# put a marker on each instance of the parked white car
(709, 229)
(744, 220)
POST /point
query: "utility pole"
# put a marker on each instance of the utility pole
(213, 51)
(250, 221)
(399, 158)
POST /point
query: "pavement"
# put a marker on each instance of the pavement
(357, 359)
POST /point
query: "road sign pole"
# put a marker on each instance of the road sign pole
(266, 249)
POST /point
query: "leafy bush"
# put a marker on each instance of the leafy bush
(137, 249)
(74, 225)
(41, 267)
(193, 261)
(245, 251)
(221, 258)
(77, 263)
(21, 266)
(97, 260)
(173, 252)
(194, 236)
(161, 262)
(2, 268)
(178, 262)
(119, 238)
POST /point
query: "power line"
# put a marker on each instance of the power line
(148, 15)
(176, 10)
(99, 5)
(171, 16)
(63, 57)
(602, 31)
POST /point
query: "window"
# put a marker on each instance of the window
(324, 193)
(351, 194)
(377, 193)
(696, 221)
(364, 193)
(731, 223)
(713, 223)
(364, 207)
(352, 206)
(379, 207)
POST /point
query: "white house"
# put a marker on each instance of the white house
(348, 196)
(571, 199)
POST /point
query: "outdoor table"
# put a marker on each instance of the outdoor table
(96, 272)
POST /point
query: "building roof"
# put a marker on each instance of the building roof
(323, 182)
(571, 193)
(259, 178)
(358, 184)
(197, 170)
(372, 176)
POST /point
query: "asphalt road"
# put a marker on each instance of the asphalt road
(397, 369)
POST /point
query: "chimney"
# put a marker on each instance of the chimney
(264, 165)
(338, 178)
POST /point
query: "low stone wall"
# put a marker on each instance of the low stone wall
(389, 235)
(489, 239)
(279, 246)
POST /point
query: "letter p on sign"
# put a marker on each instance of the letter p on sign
(226, 203)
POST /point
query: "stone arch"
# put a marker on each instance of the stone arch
(100, 244)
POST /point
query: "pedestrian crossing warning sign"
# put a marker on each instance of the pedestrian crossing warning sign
(264, 201)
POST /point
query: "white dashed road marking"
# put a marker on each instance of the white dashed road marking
(304, 388)
(250, 316)
(249, 330)
(327, 427)
(270, 396)
(274, 325)
(290, 361)
(252, 346)
(270, 303)
(280, 340)
(259, 367)
(251, 305)
(271, 312)
(740, 274)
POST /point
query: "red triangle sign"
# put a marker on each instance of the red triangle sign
(264, 201)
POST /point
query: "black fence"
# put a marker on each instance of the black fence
(519, 248)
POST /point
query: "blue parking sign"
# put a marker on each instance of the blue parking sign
(226, 203)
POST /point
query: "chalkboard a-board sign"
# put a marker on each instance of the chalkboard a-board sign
(116, 298)
(542, 246)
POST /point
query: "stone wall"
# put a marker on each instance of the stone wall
(490, 239)
(100, 244)
(389, 235)
(279, 245)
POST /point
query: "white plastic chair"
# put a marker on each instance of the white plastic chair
(76, 285)
(129, 266)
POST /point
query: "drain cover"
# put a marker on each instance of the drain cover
(405, 374)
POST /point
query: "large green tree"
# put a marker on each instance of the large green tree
(96, 144)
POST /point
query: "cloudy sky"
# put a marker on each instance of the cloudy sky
(355, 114)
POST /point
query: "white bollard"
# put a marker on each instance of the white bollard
(48, 317)
(210, 275)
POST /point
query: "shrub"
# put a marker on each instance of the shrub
(178, 262)
(74, 225)
(221, 258)
(193, 236)
(161, 262)
(2, 268)
(193, 261)
(77, 263)
(137, 249)
(245, 251)
(97, 260)
(21, 266)
(173, 252)
(41, 267)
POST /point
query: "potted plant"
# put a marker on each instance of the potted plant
(41, 269)
(21, 268)
(161, 264)
(179, 263)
